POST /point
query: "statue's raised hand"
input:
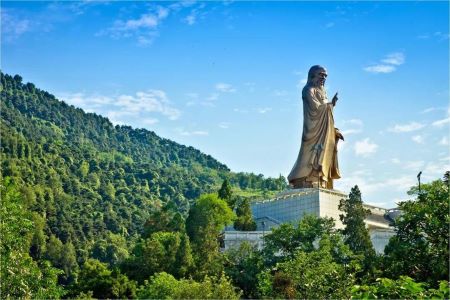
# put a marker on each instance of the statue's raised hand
(335, 99)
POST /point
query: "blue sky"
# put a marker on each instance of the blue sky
(225, 77)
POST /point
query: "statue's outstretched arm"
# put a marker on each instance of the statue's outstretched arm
(335, 99)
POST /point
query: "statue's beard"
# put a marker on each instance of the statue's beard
(316, 83)
(319, 86)
(321, 89)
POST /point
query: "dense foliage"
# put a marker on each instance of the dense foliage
(420, 248)
(356, 234)
(21, 276)
(92, 210)
(91, 187)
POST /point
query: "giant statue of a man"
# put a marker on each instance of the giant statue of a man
(317, 163)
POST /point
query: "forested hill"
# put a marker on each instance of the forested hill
(82, 176)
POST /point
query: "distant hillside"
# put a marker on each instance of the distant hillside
(84, 177)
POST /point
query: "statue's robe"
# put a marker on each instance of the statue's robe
(317, 163)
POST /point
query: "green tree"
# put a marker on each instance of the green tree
(225, 193)
(242, 266)
(403, 288)
(420, 248)
(165, 286)
(62, 256)
(162, 252)
(244, 220)
(95, 277)
(165, 218)
(184, 261)
(83, 170)
(160, 286)
(112, 250)
(355, 232)
(285, 240)
(21, 276)
(37, 248)
(309, 275)
(207, 218)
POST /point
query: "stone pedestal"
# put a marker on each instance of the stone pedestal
(291, 205)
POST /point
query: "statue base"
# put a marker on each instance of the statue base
(313, 181)
(292, 204)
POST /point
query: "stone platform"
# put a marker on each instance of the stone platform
(291, 205)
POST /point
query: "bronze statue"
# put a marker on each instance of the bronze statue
(317, 163)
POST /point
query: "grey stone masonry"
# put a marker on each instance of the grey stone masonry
(291, 205)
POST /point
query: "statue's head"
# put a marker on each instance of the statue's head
(317, 76)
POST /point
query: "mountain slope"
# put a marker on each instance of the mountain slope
(83, 177)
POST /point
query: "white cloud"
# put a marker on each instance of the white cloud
(397, 59)
(352, 126)
(13, 26)
(208, 101)
(369, 186)
(329, 25)
(190, 20)
(357, 122)
(414, 165)
(207, 104)
(350, 131)
(183, 132)
(150, 101)
(192, 95)
(181, 4)
(429, 109)
(301, 83)
(115, 108)
(401, 183)
(194, 14)
(365, 147)
(280, 93)
(264, 110)
(251, 86)
(440, 123)
(145, 28)
(240, 110)
(224, 125)
(412, 126)
(444, 141)
(212, 97)
(341, 146)
(150, 121)
(143, 40)
(437, 35)
(418, 139)
(16, 22)
(434, 170)
(387, 64)
(144, 23)
(441, 36)
(118, 117)
(395, 160)
(380, 69)
(225, 88)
